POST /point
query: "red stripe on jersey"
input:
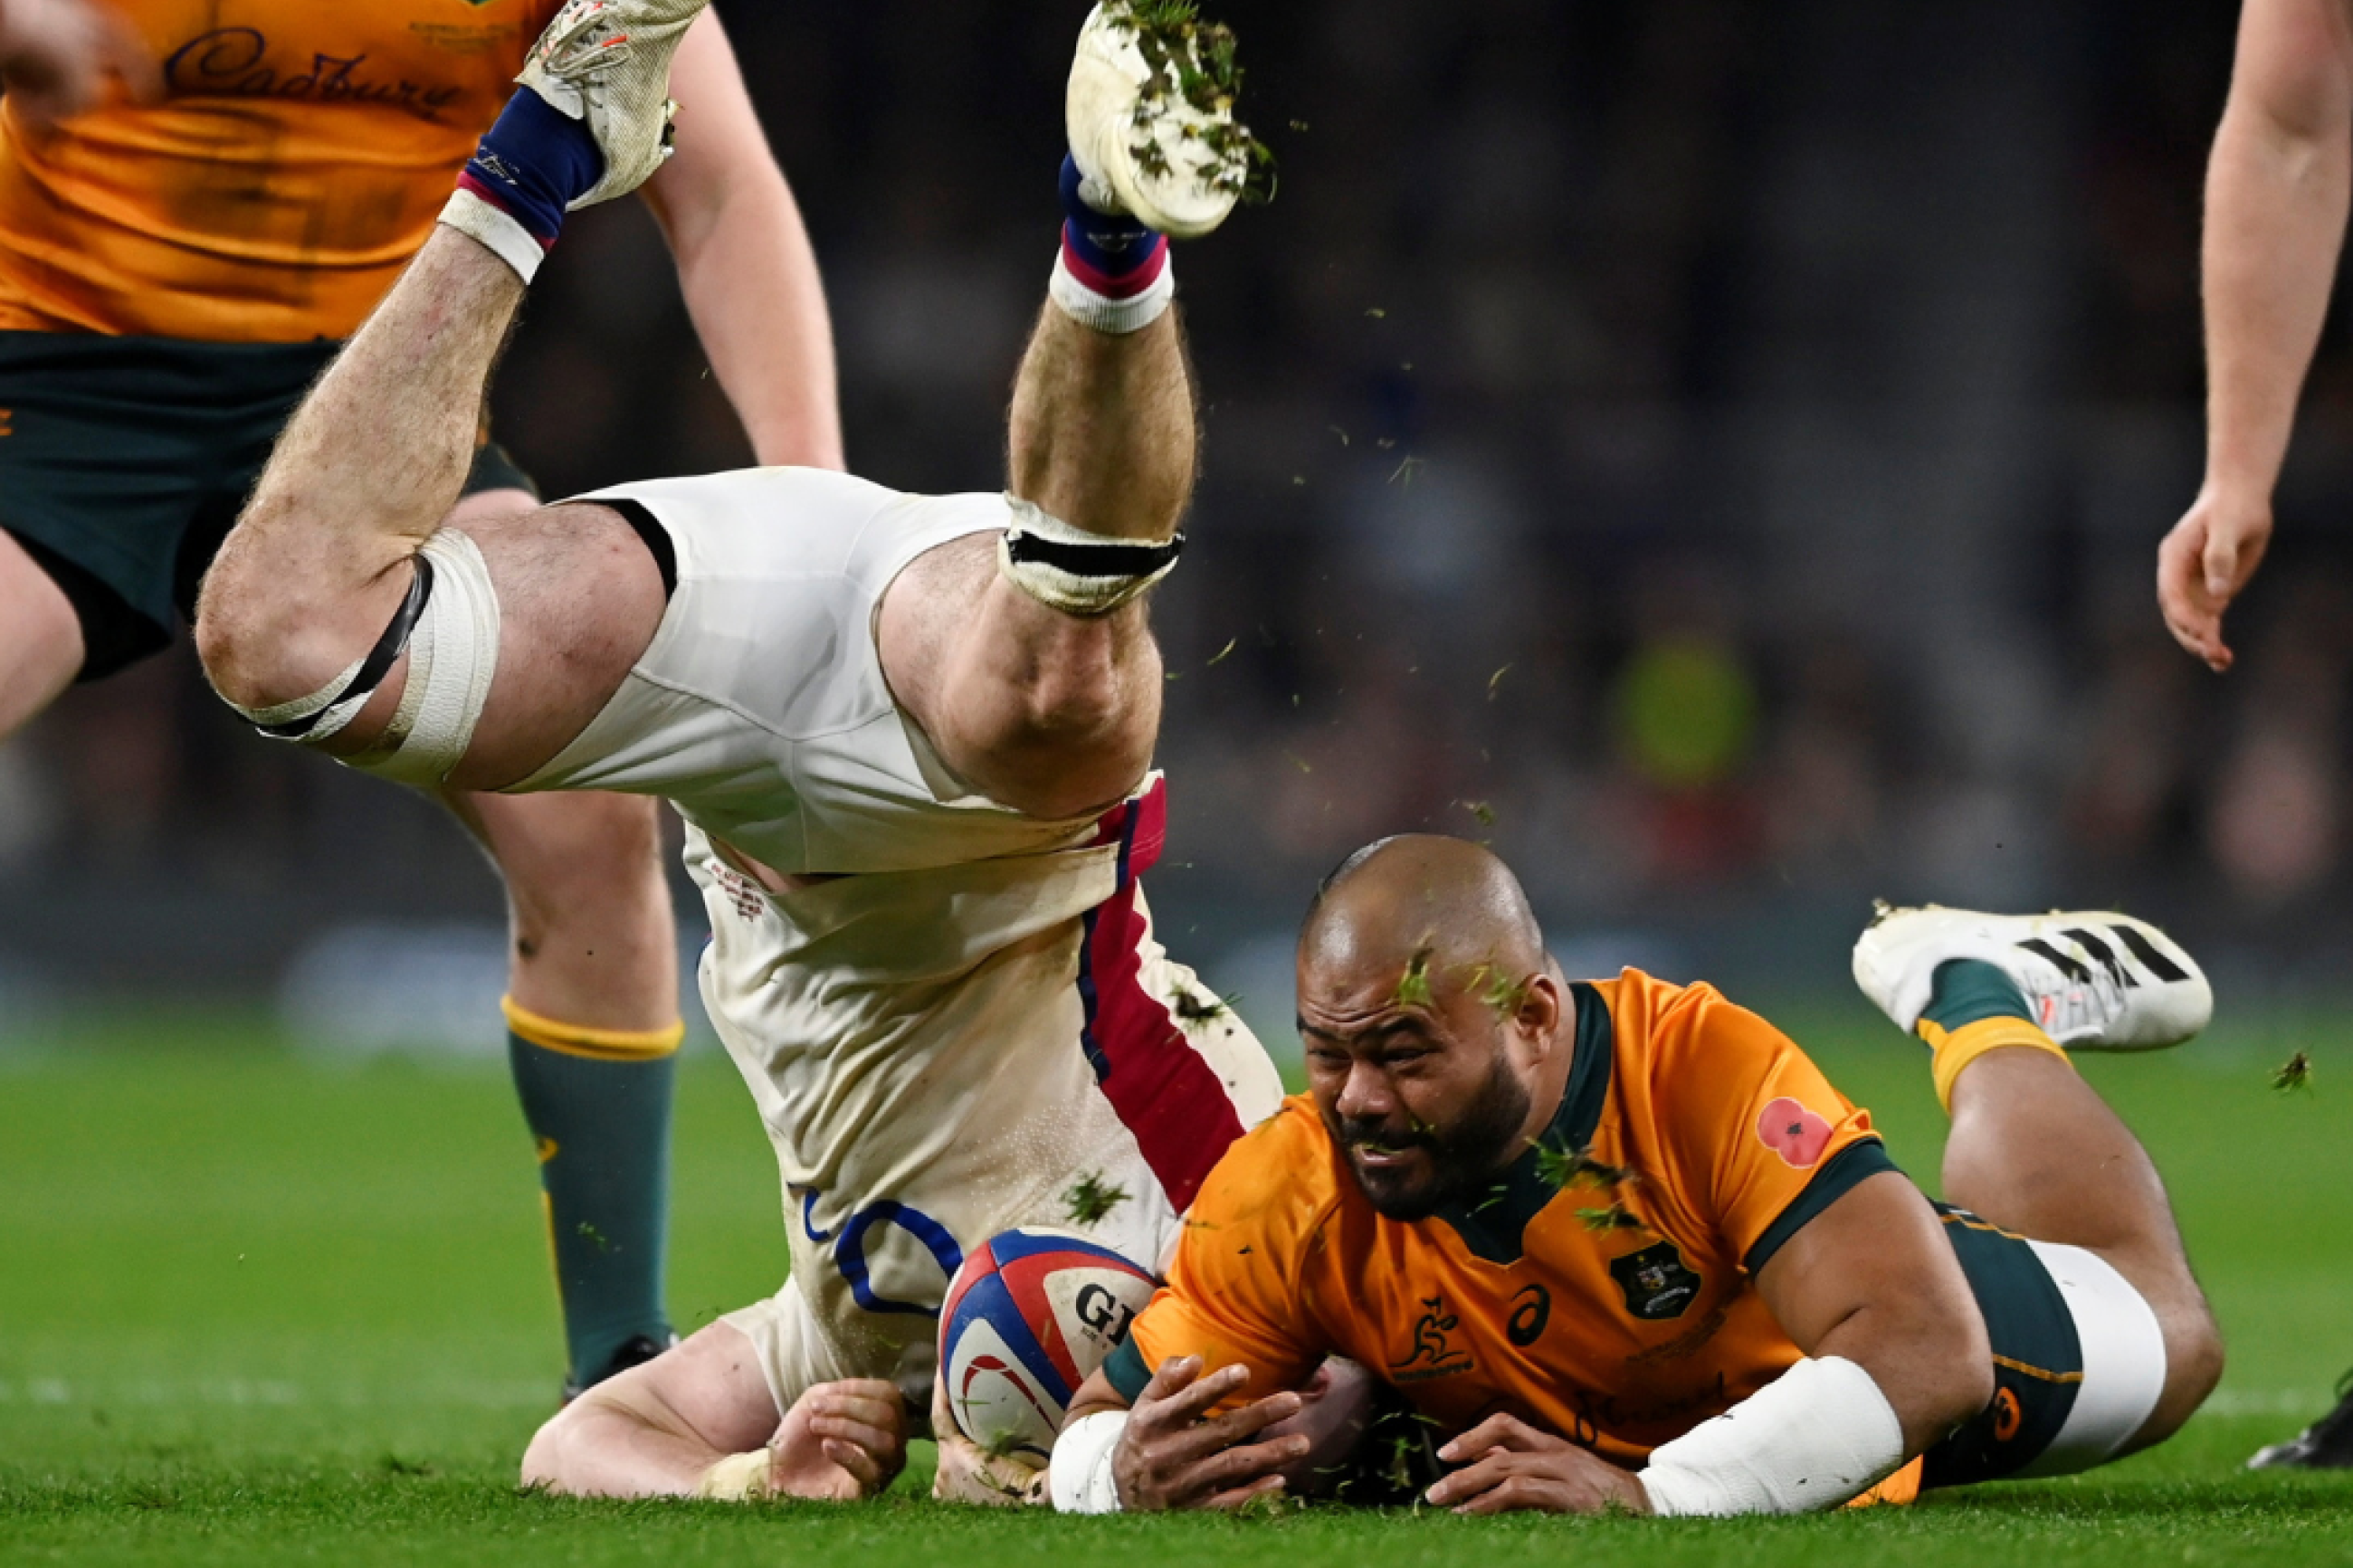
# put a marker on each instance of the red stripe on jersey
(1165, 1093)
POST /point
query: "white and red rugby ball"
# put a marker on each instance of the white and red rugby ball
(1028, 1316)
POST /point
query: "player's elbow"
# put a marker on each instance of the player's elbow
(547, 1460)
(1955, 1381)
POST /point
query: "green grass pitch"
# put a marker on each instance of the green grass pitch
(257, 1310)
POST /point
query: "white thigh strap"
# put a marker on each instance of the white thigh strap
(450, 628)
(2124, 1360)
(451, 660)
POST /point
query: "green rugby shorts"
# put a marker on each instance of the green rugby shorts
(124, 462)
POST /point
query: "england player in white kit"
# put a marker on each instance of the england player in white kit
(911, 737)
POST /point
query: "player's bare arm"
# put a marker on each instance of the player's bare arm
(700, 1422)
(1870, 1280)
(744, 262)
(2276, 209)
(59, 57)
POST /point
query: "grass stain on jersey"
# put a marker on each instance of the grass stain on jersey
(1091, 1199)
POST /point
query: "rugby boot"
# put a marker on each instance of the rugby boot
(1150, 115)
(605, 63)
(2325, 1445)
(2095, 980)
(635, 1351)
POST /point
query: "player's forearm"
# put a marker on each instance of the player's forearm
(606, 1447)
(2277, 194)
(751, 282)
(1930, 1359)
(379, 449)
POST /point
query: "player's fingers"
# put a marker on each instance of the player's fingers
(1226, 1431)
(1492, 1469)
(1196, 1397)
(1515, 1494)
(871, 1402)
(860, 1464)
(841, 1429)
(1176, 1373)
(1500, 1431)
(1237, 1497)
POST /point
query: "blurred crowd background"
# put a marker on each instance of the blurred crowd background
(1713, 450)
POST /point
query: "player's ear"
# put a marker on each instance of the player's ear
(1541, 1007)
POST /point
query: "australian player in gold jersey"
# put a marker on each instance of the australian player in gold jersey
(178, 260)
(1621, 1244)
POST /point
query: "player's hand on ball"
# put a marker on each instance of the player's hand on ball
(56, 55)
(970, 1473)
(841, 1441)
(1174, 1454)
(2203, 566)
(1513, 1466)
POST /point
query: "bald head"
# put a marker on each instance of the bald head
(1443, 907)
(1430, 1018)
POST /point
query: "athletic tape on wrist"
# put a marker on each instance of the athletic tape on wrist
(449, 626)
(1078, 573)
(738, 1477)
(1101, 311)
(497, 229)
(1819, 1434)
(1078, 1477)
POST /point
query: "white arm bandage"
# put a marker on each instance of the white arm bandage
(1078, 1477)
(1819, 1435)
(738, 1477)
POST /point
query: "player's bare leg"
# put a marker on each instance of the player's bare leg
(1050, 712)
(545, 612)
(40, 638)
(1040, 683)
(700, 1422)
(2034, 1148)
(593, 1032)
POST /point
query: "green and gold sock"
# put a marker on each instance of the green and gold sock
(1973, 1009)
(598, 1103)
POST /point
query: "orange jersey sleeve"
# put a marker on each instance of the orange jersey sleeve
(1757, 1140)
(1236, 1292)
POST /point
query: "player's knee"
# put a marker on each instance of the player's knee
(259, 647)
(1080, 728)
(544, 1457)
(2193, 1366)
(1963, 1386)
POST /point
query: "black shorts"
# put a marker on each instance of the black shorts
(124, 462)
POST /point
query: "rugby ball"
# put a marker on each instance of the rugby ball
(1028, 1316)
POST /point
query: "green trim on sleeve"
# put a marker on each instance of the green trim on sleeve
(1865, 1157)
(1125, 1371)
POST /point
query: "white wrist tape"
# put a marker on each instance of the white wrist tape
(1105, 314)
(497, 230)
(738, 1477)
(1078, 1477)
(1814, 1438)
(1078, 573)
